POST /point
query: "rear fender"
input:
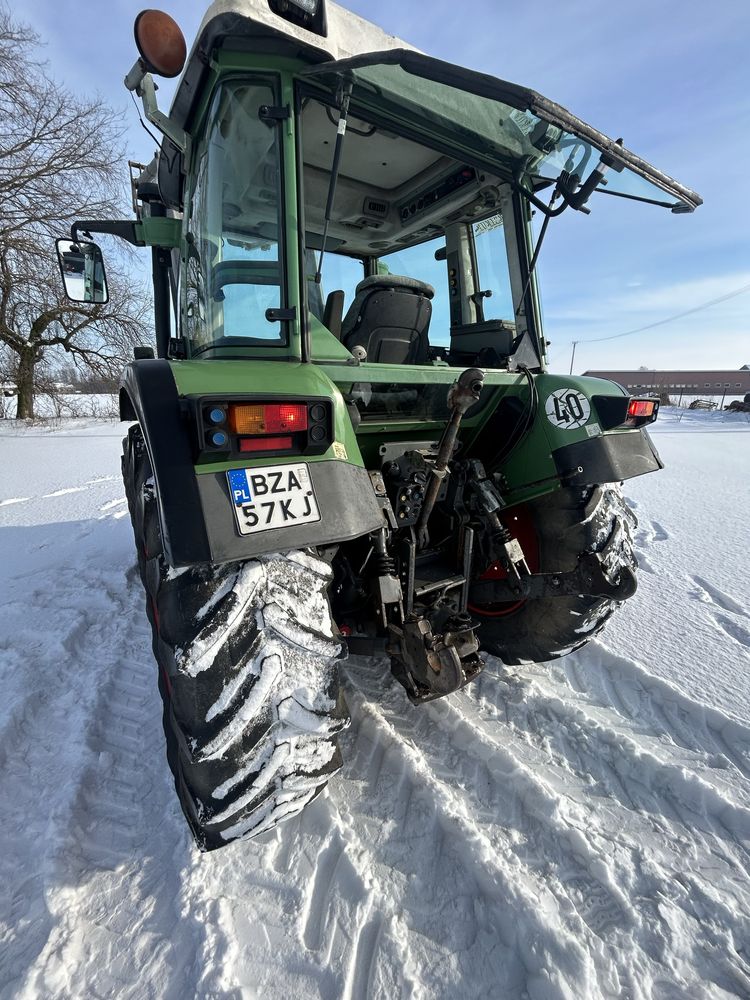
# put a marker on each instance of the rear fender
(195, 508)
(572, 441)
(590, 441)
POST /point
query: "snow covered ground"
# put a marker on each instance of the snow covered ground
(578, 829)
(65, 405)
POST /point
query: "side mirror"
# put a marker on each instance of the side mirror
(82, 270)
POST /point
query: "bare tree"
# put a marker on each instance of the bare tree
(60, 156)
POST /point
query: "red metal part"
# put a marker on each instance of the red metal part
(520, 523)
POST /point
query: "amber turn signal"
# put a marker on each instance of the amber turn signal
(160, 43)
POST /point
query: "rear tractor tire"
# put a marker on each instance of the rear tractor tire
(247, 673)
(561, 526)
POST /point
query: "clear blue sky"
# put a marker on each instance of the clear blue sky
(672, 77)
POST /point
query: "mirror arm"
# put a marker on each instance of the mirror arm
(123, 228)
(142, 82)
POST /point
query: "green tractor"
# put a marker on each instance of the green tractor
(349, 436)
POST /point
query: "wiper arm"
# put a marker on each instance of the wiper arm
(576, 196)
(340, 133)
(568, 186)
(573, 193)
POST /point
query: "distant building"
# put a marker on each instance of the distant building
(682, 383)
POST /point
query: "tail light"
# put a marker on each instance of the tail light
(641, 407)
(270, 427)
(267, 418)
(642, 411)
(620, 411)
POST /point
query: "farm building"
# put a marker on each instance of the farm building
(683, 386)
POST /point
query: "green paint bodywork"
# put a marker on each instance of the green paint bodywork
(238, 377)
(529, 470)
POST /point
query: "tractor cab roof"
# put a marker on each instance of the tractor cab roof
(253, 25)
(513, 132)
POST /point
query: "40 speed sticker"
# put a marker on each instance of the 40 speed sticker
(567, 408)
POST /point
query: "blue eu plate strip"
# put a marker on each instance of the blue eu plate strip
(239, 487)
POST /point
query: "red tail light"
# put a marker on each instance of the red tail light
(641, 407)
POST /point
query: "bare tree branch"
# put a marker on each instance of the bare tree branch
(60, 160)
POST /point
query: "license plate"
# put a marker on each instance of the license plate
(275, 496)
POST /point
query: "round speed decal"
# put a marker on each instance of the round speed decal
(567, 409)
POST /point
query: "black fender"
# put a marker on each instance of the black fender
(149, 395)
(195, 511)
(609, 458)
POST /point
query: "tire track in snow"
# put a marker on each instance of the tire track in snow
(689, 781)
(62, 491)
(660, 709)
(503, 890)
(709, 594)
(359, 985)
(737, 633)
(719, 860)
(325, 870)
(36, 755)
(539, 818)
(374, 944)
(727, 615)
(344, 916)
(300, 891)
(614, 841)
(647, 533)
(107, 863)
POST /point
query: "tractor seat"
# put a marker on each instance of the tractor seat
(390, 319)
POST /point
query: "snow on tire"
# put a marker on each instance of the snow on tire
(248, 675)
(568, 524)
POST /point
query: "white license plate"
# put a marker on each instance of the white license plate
(275, 496)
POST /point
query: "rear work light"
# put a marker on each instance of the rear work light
(310, 14)
(267, 418)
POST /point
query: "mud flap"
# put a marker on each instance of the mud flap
(610, 458)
